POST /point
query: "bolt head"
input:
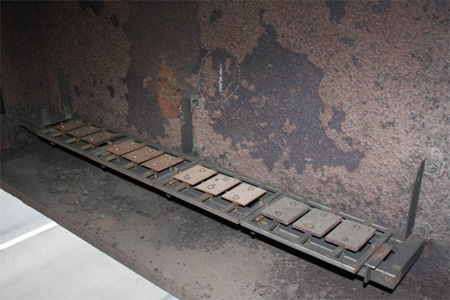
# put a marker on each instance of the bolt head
(432, 168)
(21, 137)
(421, 231)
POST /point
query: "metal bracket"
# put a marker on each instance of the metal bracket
(64, 93)
(414, 201)
(187, 135)
(423, 230)
(45, 117)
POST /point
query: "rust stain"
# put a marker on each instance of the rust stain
(146, 81)
(288, 127)
(294, 90)
(104, 222)
(168, 91)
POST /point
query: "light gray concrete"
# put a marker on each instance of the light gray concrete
(56, 264)
(16, 218)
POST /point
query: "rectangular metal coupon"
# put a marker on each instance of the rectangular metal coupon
(70, 125)
(83, 131)
(218, 184)
(244, 194)
(285, 210)
(142, 154)
(99, 137)
(351, 235)
(124, 148)
(195, 174)
(162, 162)
(317, 222)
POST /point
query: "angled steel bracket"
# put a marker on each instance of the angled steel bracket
(414, 204)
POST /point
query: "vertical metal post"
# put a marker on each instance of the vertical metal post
(64, 93)
(187, 136)
(414, 201)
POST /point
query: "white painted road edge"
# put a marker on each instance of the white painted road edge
(28, 235)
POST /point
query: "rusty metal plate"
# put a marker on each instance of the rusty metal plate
(218, 184)
(124, 148)
(162, 162)
(195, 174)
(142, 154)
(351, 235)
(99, 137)
(285, 210)
(70, 125)
(83, 131)
(244, 194)
(317, 222)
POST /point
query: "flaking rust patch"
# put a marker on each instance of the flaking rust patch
(168, 91)
(266, 94)
(236, 31)
(172, 137)
(383, 77)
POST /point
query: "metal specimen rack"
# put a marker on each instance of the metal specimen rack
(362, 248)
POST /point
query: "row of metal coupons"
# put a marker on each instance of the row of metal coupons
(319, 223)
(80, 131)
(346, 233)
